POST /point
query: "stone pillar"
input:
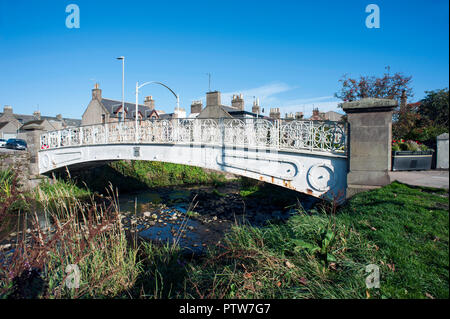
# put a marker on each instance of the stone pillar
(442, 151)
(370, 136)
(33, 139)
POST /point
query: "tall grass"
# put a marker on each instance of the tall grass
(80, 233)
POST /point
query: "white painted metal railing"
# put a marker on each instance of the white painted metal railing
(296, 135)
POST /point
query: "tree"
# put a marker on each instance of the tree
(388, 86)
(435, 107)
(424, 120)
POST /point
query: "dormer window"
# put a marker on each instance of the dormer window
(120, 116)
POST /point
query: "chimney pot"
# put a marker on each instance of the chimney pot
(97, 92)
(7, 109)
(238, 102)
(148, 101)
(37, 115)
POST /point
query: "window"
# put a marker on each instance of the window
(120, 116)
(103, 118)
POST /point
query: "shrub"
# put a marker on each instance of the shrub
(409, 145)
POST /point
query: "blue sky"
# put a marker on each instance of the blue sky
(290, 54)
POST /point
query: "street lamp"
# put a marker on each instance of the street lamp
(137, 99)
(123, 81)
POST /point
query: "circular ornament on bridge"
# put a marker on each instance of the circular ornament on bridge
(321, 177)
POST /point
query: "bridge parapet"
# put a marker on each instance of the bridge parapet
(326, 137)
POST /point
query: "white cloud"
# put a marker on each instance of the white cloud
(270, 95)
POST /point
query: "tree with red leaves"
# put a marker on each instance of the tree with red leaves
(389, 86)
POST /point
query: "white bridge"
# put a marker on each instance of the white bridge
(306, 156)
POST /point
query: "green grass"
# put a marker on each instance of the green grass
(139, 175)
(410, 227)
(59, 188)
(156, 174)
(402, 230)
(322, 254)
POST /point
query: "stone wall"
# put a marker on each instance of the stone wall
(19, 161)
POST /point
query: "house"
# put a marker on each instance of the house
(12, 124)
(317, 115)
(325, 116)
(9, 124)
(102, 110)
(333, 116)
(215, 109)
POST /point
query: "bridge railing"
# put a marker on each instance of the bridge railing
(290, 135)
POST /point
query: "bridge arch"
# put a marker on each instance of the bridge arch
(305, 156)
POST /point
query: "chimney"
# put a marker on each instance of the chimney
(298, 115)
(97, 92)
(59, 117)
(150, 102)
(7, 109)
(255, 107)
(316, 112)
(275, 113)
(37, 115)
(196, 107)
(213, 98)
(403, 100)
(238, 102)
(289, 116)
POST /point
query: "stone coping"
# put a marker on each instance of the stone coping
(443, 136)
(369, 105)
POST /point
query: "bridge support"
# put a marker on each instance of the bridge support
(370, 136)
(33, 138)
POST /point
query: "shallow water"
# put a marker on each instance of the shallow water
(195, 217)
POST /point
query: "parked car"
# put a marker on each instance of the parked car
(16, 144)
(2, 142)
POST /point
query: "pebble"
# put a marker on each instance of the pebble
(6, 246)
(147, 214)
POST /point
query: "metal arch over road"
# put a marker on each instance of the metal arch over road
(306, 156)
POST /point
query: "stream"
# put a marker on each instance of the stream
(195, 217)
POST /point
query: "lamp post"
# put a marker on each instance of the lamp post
(123, 81)
(137, 99)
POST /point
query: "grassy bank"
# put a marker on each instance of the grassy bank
(139, 175)
(402, 230)
(321, 254)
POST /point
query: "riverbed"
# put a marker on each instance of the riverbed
(198, 217)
